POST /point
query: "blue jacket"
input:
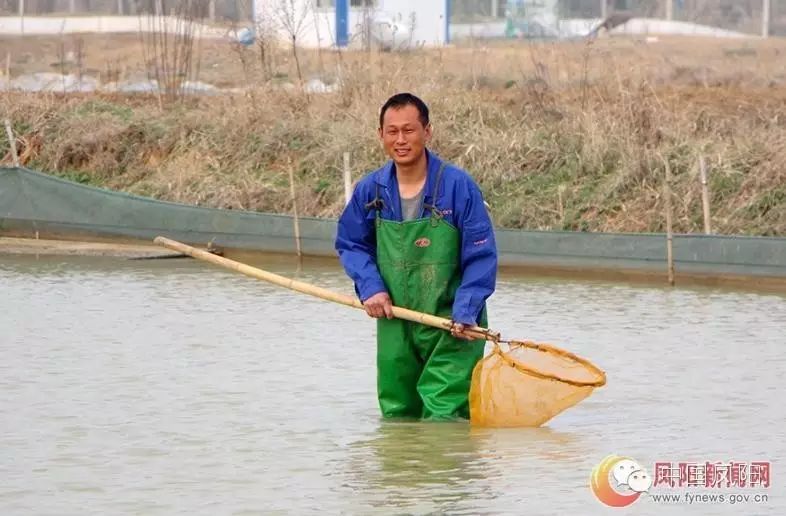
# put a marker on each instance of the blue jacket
(461, 203)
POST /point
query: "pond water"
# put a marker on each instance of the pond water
(173, 386)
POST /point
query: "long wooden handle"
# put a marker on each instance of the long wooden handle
(306, 288)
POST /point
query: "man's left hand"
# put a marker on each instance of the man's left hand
(457, 330)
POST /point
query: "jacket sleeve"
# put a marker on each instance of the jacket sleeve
(478, 257)
(356, 247)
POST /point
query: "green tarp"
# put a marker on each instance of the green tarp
(31, 202)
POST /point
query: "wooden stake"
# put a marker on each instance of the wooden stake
(705, 195)
(11, 141)
(294, 210)
(347, 180)
(669, 236)
(561, 206)
(22, 16)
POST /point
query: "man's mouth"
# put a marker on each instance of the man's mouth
(402, 152)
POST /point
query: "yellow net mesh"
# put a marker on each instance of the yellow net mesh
(528, 384)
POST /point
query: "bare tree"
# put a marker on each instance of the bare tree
(265, 40)
(291, 17)
(168, 45)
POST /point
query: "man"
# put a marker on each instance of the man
(416, 235)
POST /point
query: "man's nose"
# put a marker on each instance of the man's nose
(400, 137)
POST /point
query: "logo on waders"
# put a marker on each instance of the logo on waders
(422, 242)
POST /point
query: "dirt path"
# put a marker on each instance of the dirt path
(72, 248)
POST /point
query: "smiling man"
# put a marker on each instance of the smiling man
(416, 234)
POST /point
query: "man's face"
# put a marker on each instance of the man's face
(403, 136)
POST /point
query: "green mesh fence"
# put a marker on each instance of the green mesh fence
(33, 202)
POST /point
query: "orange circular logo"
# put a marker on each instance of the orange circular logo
(619, 481)
(422, 242)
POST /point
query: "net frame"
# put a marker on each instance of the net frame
(554, 350)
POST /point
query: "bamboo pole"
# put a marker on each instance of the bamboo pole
(604, 9)
(765, 19)
(669, 236)
(294, 211)
(669, 10)
(11, 142)
(313, 290)
(347, 180)
(705, 195)
(22, 16)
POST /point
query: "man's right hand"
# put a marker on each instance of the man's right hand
(379, 305)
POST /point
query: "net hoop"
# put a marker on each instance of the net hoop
(548, 348)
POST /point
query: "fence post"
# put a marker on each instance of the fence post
(705, 195)
(296, 218)
(669, 10)
(765, 19)
(22, 16)
(347, 180)
(604, 9)
(669, 234)
(11, 142)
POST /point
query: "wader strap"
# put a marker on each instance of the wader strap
(435, 212)
(377, 203)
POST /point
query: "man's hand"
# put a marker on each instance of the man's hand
(379, 305)
(457, 330)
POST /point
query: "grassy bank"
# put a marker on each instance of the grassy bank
(566, 136)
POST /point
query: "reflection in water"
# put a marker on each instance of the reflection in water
(460, 466)
(411, 454)
(541, 443)
(403, 457)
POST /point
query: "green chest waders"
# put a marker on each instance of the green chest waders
(422, 372)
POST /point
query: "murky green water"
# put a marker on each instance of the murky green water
(174, 387)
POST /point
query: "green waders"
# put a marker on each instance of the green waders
(422, 372)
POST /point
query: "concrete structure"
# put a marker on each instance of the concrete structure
(28, 25)
(343, 23)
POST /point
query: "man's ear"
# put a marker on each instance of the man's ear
(429, 131)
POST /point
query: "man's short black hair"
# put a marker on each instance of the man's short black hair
(399, 100)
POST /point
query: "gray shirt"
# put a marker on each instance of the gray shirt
(410, 207)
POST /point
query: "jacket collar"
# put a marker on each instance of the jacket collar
(386, 177)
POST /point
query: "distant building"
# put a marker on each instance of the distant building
(342, 23)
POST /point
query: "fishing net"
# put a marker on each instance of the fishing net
(528, 384)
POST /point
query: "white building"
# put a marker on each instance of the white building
(342, 23)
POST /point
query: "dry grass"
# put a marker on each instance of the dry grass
(560, 136)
